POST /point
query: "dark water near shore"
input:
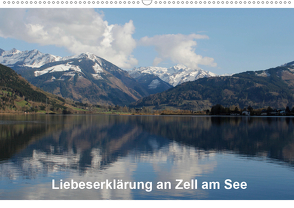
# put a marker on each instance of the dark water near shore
(36, 149)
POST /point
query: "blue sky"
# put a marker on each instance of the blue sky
(222, 40)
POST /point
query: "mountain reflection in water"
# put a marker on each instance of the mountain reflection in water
(37, 148)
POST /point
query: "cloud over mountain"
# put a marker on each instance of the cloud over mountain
(86, 30)
(78, 30)
(178, 48)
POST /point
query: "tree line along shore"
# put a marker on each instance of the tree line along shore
(11, 103)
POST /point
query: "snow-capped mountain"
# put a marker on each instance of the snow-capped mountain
(67, 65)
(174, 75)
(36, 59)
(33, 58)
(84, 78)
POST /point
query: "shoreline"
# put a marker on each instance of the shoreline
(143, 114)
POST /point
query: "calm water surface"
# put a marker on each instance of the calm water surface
(36, 149)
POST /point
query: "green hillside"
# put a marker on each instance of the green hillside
(18, 95)
(11, 80)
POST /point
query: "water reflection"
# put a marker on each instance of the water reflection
(250, 136)
(35, 149)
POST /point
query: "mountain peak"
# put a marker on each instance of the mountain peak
(14, 51)
(86, 55)
(89, 56)
(34, 51)
(179, 66)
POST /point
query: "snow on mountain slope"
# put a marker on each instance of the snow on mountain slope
(154, 84)
(97, 68)
(58, 68)
(263, 74)
(174, 75)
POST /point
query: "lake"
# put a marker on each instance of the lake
(146, 157)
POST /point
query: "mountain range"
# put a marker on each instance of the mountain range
(174, 75)
(272, 87)
(89, 78)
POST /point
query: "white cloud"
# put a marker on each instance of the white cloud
(85, 30)
(178, 48)
(78, 30)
